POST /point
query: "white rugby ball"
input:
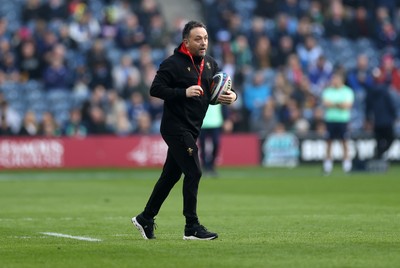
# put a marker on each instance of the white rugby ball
(221, 83)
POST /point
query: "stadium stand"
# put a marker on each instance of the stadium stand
(59, 56)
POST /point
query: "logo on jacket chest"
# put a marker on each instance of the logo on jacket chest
(208, 65)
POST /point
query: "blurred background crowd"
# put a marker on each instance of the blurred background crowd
(78, 68)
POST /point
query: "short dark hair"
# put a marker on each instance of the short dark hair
(189, 26)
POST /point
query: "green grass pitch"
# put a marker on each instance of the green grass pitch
(265, 217)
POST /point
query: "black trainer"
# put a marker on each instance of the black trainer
(145, 227)
(198, 232)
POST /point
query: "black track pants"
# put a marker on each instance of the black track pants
(182, 157)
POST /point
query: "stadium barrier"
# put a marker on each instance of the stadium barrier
(150, 151)
(111, 151)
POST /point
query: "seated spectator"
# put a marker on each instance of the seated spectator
(361, 24)
(123, 72)
(12, 118)
(97, 98)
(109, 23)
(284, 27)
(5, 129)
(282, 89)
(157, 36)
(291, 117)
(317, 17)
(156, 108)
(266, 8)
(54, 10)
(361, 75)
(97, 54)
(80, 88)
(99, 66)
(143, 124)
(48, 126)
(148, 72)
(84, 29)
(134, 83)
(30, 126)
(388, 38)
(65, 39)
(114, 108)
(266, 123)
(336, 26)
(319, 74)
(308, 52)
(317, 123)
(148, 10)
(136, 106)
(74, 127)
(235, 25)
(57, 75)
(293, 71)
(262, 53)
(122, 8)
(46, 41)
(8, 68)
(291, 7)
(304, 29)
(29, 62)
(242, 51)
(6, 115)
(123, 126)
(31, 11)
(303, 97)
(285, 48)
(388, 73)
(130, 33)
(97, 123)
(256, 93)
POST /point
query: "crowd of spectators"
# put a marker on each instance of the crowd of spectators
(282, 54)
(80, 67)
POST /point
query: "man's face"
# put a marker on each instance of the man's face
(337, 81)
(197, 42)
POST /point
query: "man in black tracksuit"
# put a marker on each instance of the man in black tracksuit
(183, 81)
(380, 111)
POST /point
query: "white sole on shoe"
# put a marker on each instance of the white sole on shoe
(191, 237)
(139, 227)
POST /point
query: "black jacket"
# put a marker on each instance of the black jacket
(182, 115)
(380, 107)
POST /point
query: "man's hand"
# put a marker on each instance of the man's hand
(227, 98)
(194, 91)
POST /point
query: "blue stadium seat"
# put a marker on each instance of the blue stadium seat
(114, 55)
(11, 91)
(38, 107)
(20, 106)
(35, 95)
(58, 96)
(59, 103)
(32, 85)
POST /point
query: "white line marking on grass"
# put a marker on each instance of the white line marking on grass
(122, 235)
(72, 237)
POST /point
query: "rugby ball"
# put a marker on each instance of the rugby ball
(221, 83)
